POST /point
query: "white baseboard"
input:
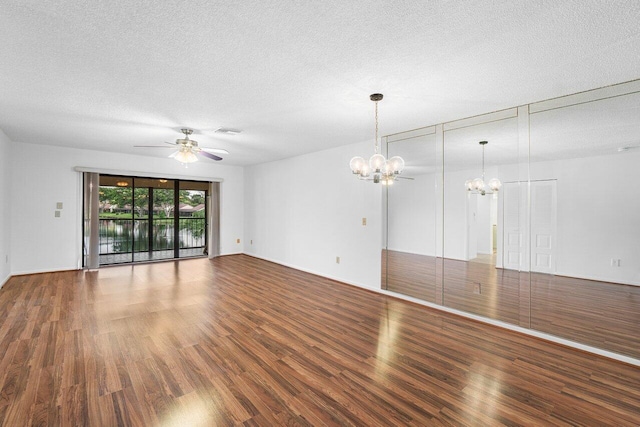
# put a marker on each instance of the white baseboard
(49, 270)
(597, 278)
(230, 253)
(315, 273)
(413, 252)
(6, 279)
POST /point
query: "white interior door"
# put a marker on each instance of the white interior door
(513, 226)
(543, 226)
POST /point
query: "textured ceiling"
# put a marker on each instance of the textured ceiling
(293, 76)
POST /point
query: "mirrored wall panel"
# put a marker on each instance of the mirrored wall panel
(585, 218)
(483, 210)
(527, 216)
(412, 205)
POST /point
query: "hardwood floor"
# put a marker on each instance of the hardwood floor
(600, 314)
(241, 341)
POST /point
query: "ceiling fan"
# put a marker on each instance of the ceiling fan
(187, 148)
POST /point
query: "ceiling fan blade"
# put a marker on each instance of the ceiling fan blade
(405, 177)
(209, 155)
(172, 155)
(152, 146)
(214, 150)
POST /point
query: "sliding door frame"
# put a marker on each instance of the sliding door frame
(177, 184)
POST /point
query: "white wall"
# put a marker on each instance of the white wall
(598, 215)
(412, 215)
(43, 175)
(307, 210)
(5, 213)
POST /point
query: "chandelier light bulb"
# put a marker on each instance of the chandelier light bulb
(387, 169)
(495, 184)
(376, 162)
(366, 170)
(478, 184)
(397, 164)
(356, 164)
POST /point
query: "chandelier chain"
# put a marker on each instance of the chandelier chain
(376, 102)
(483, 162)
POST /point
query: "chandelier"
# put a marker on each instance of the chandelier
(478, 186)
(377, 169)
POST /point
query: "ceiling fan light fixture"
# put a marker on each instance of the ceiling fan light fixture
(185, 155)
(188, 150)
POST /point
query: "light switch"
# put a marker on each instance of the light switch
(59, 205)
(57, 214)
(364, 221)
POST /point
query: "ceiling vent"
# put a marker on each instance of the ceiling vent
(228, 131)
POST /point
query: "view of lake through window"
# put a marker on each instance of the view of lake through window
(145, 219)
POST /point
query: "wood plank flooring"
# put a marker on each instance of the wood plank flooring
(241, 341)
(600, 314)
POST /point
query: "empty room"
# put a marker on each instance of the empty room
(319, 213)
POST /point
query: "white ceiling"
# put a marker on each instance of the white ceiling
(293, 76)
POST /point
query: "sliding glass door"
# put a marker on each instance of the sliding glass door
(149, 219)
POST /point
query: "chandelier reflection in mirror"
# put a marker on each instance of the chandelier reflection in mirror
(478, 186)
(377, 169)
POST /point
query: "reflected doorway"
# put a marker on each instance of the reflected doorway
(540, 253)
(543, 226)
(481, 229)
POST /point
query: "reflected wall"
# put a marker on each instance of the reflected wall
(556, 248)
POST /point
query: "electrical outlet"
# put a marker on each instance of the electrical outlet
(337, 260)
(251, 242)
(364, 221)
(237, 240)
(615, 262)
(57, 214)
(477, 288)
